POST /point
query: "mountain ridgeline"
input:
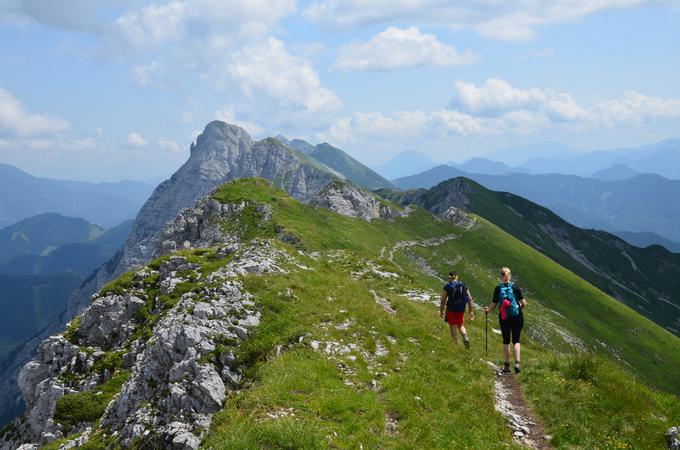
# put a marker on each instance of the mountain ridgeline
(238, 341)
(107, 204)
(642, 203)
(646, 279)
(221, 153)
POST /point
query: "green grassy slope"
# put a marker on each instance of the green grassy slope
(349, 167)
(39, 235)
(647, 279)
(330, 366)
(455, 388)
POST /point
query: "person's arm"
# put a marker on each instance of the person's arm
(494, 301)
(442, 303)
(471, 305)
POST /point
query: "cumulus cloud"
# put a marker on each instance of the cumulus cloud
(497, 96)
(498, 108)
(397, 48)
(509, 21)
(269, 73)
(636, 109)
(15, 119)
(136, 140)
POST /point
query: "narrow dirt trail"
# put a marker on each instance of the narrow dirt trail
(510, 402)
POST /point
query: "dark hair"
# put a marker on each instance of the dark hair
(453, 273)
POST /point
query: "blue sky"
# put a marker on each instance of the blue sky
(109, 90)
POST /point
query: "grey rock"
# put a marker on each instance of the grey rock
(673, 438)
(459, 218)
(107, 322)
(349, 200)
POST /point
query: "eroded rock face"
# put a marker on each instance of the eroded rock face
(180, 371)
(352, 201)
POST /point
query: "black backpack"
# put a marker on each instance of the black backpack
(456, 296)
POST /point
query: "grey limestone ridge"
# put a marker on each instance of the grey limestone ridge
(222, 153)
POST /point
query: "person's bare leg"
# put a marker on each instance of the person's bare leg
(518, 364)
(454, 333)
(463, 332)
(506, 353)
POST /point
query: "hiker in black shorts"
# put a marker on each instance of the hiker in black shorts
(510, 316)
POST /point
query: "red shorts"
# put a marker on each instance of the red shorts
(455, 318)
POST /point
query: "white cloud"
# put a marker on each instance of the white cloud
(498, 108)
(496, 97)
(397, 48)
(635, 109)
(169, 145)
(136, 140)
(509, 21)
(276, 83)
(15, 119)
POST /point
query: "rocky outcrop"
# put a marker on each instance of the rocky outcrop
(352, 201)
(221, 153)
(168, 333)
(459, 218)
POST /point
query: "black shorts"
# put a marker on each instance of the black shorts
(511, 325)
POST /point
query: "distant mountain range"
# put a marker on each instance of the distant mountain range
(645, 239)
(643, 203)
(662, 158)
(486, 166)
(405, 163)
(43, 259)
(106, 204)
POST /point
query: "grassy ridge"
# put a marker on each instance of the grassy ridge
(439, 396)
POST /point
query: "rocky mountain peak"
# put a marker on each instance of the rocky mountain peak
(219, 137)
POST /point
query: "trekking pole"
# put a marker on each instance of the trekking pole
(486, 335)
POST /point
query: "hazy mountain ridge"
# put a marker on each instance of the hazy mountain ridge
(643, 203)
(107, 204)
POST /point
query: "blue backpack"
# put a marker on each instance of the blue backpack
(508, 293)
(457, 296)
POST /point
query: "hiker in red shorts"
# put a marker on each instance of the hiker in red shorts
(455, 296)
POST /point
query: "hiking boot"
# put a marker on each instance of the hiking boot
(466, 342)
(506, 368)
(518, 368)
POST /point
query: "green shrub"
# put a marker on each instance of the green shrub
(88, 406)
(582, 366)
